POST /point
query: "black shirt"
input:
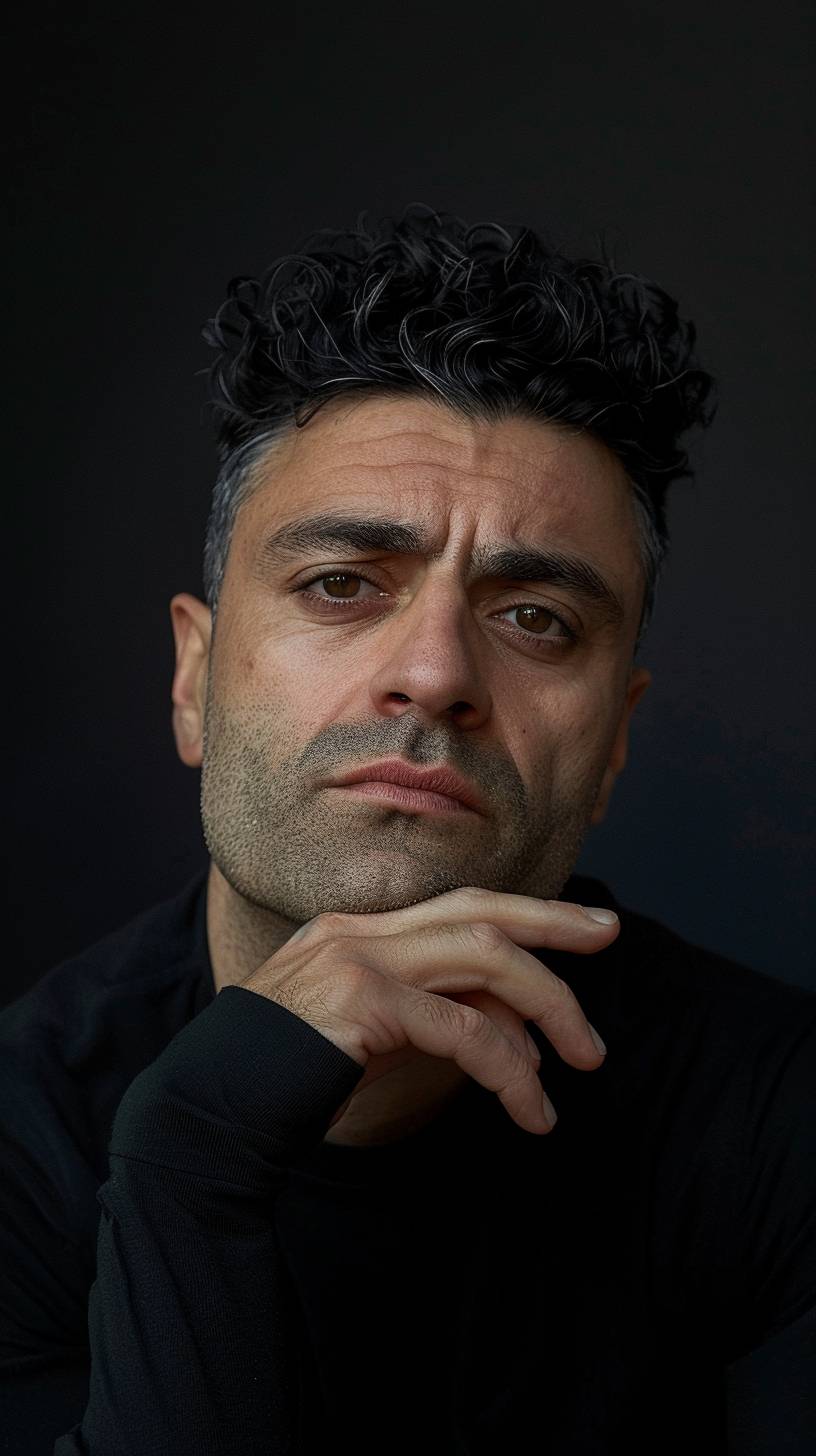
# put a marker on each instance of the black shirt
(188, 1268)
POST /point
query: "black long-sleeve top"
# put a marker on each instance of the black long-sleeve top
(188, 1268)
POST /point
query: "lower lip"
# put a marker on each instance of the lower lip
(415, 801)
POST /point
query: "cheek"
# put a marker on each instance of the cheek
(595, 735)
(248, 675)
(278, 681)
(251, 659)
(564, 733)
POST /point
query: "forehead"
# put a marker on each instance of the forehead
(419, 460)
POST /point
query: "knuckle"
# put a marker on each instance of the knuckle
(561, 1000)
(468, 895)
(519, 1077)
(485, 937)
(330, 923)
(351, 975)
(560, 988)
(434, 1008)
(473, 1024)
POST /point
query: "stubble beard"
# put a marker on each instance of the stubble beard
(293, 850)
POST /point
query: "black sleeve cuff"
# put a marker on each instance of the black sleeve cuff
(242, 1089)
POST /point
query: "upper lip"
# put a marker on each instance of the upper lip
(439, 780)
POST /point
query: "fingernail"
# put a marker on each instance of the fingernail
(549, 1110)
(596, 1039)
(532, 1048)
(597, 912)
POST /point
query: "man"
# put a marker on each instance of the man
(284, 1173)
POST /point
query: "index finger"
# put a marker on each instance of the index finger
(556, 924)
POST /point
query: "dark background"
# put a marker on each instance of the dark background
(155, 155)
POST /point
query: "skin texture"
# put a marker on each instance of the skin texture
(430, 662)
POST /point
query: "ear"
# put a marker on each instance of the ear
(192, 630)
(638, 683)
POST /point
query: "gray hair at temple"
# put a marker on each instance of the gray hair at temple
(486, 318)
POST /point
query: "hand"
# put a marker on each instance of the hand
(388, 987)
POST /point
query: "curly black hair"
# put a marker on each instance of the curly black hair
(487, 318)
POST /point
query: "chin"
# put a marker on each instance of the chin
(386, 881)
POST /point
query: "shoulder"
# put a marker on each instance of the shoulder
(712, 1078)
(700, 1007)
(725, 1057)
(132, 962)
(69, 1048)
(73, 1043)
(706, 1044)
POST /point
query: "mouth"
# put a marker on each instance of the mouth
(410, 788)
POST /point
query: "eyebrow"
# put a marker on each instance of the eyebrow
(516, 562)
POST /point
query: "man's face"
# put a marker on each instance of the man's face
(332, 656)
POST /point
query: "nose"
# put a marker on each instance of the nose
(427, 660)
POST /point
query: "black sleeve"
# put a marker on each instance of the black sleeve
(44, 1279)
(771, 1384)
(195, 1335)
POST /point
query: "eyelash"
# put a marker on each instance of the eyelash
(531, 637)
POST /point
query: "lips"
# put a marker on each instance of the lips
(441, 780)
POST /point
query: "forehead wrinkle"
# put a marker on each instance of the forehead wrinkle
(548, 470)
(474, 448)
(454, 431)
(370, 427)
(420, 503)
(474, 477)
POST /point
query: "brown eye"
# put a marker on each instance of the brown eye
(340, 588)
(535, 619)
(341, 585)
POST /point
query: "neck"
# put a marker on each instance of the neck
(241, 936)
